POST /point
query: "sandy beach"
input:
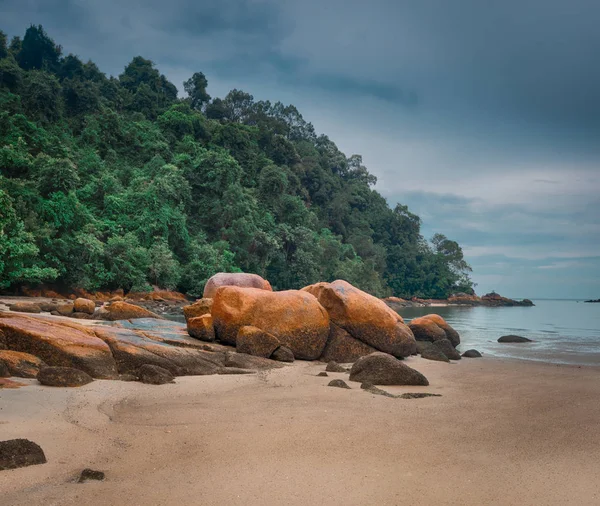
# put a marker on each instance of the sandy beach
(503, 432)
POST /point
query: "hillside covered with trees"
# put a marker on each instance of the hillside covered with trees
(116, 182)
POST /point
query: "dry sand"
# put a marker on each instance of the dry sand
(503, 432)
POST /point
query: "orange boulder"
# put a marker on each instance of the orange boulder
(365, 317)
(425, 329)
(198, 308)
(21, 364)
(82, 305)
(241, 279)
(124, 311)
(201, 327)
(257, 342)
(451, 334)
(342, 347)
(294, 317)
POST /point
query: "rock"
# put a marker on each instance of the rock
(323, 374)
(16, 453)
(432, 352)
(81, 316)
(63, 377)
(342, 347)
(369, 387)
(451, 334)
(514, 339)
(22, 365)
(471, 354)
(55, 313)
(425, 329)
(90, 474)
(294, 317)
(335, 367)
(198, 308)
(25, 307)
(417, 395)
(4, 371)
(65, 309)
(48, 307)
(283, 354)
(116, 298)
(240, 279)
(257, 342)
(364, 317)
(201, 327)
(243, 361)
(235, 370)
(124, 311)
(338, 383)
(383, 369)
(82, 305)
(445, 346)
(59, 343)
(154, 375)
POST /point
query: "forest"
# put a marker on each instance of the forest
(119, 182)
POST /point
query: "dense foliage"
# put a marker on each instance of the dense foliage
(117, 183)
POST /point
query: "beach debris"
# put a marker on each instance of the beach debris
(514, 339)
(338, 383)
(383, 369)
(471, 354)
(323, 374)
(90, 474)
(335, 367)
(256, 342)
(154, 375)
(22, 365)
(16, 453)
(63, 377)
(283, 354)
(445, 346)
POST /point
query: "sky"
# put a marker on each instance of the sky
(482, 117)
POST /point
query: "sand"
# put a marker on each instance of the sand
(503, 432)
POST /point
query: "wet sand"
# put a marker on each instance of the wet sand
(503, 432)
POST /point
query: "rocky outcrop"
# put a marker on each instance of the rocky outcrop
(255, 341)
(342, 347)
(294, 317)
(240, 279)
(198, 308)
(123, 311)
(22, 365)
(514, 339)
(383, 369)
(490, 300)
(63, 377)
(85, 306)
(201, 327)
(16, 453)
(154, 375)
(62, 344)
(364, 317)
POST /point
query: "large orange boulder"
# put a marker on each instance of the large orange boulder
(62, 344)
(198, 308)
(451, 334)
(201, 327)
(241, 279)
(82, 305)
(124, 311)
(294, 317)
(433, 327)
(366, 318)
(257, 342)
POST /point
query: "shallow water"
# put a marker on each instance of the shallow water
(564, 331)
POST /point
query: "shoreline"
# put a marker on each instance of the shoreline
(283, 437)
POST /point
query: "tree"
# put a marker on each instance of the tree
(38, 51)
(195, 87)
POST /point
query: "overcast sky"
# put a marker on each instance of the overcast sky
(483, 117)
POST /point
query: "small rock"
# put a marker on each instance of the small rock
(235, 370)
(338, 383)
(369, 387)
(432, 352)
(65, 309)
(471, 354)
(82, 305)
(48, 307)
(283, 354)
(514, 339)
(154, 375)
(90, 474)
(417, 395)
(63, 377)
(383, 369)
(80, 316)
(127, 377)
(25, 307)
(445, 346)
(335, 367)
(323, 374)
(16, 453)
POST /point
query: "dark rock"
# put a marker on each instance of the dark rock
(127, 377)
(16, 453)
(471, 354)
(425, 329)
(90, 474)
(342, 347)
(63, 377)
(235, 370)
(22, 365)
(243, 361)
(433, 352)
(383, 369)
(417, 395)
(4, 372)
(333, 366)
(283, 354)
(323, 374)
(256, 342)
(338, 383)
(55, 313)
(514, 339)
(154, 375)
(25, 307)
(445, 346)
(65, 309)
(81, 316)
(48, 307)
(369, 387)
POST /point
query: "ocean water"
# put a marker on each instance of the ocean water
(564, 331)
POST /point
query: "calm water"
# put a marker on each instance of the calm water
(564, 331)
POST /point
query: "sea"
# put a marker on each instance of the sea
(563, 331)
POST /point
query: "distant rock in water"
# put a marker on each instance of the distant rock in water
(593, 301)
(492, 299)
(514, 339)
